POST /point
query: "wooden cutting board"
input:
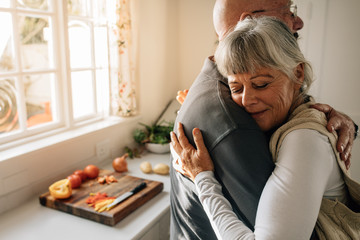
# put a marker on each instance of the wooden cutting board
(77, 205)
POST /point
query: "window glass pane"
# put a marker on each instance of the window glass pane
(6, 43)
(80, 44)
(82, 93)
(38, 96)
(34, 34)
(103, 10)
(102, 90)
(78, 7)
(101, 46)
(5, 3)
(8, 107)
(34, 4)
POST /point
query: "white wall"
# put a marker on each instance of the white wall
(174, 38)
(197, 38)
(157, 56)
(341, 72)
(330, 41)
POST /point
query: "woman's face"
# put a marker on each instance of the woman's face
(267, 95)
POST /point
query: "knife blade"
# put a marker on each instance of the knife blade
(126, 195)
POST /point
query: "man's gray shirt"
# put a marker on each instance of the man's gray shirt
(237, 146)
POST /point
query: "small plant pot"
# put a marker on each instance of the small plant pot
(157, 148)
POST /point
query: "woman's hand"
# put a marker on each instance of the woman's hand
(344, 127)
(192, 161)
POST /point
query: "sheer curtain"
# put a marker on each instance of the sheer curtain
(123, 101)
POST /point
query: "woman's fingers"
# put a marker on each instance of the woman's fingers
(177, 166)
(175, 143)
(204, 163)
(198, 139)
(180, 143)
(182, 137)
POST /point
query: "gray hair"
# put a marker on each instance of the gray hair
(263, 42)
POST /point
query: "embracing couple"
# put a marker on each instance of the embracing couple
(264, 164)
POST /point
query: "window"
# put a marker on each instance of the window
(54, 65)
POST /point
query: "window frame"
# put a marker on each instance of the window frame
(62, 70)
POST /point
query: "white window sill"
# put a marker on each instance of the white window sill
(63, 136)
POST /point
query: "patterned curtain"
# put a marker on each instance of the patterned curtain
(123, 101)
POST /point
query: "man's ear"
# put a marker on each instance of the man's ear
(299, 75)
(245, 15)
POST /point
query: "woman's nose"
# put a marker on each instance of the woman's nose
(248, 98)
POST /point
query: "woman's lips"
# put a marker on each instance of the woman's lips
(257, 115)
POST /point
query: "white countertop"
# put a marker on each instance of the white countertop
(33, 221)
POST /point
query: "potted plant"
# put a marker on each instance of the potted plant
(156, 137)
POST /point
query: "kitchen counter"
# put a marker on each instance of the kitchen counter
(150, 221)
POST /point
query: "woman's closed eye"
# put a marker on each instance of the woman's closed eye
(240, 89)
(260, 86)
(236, 89)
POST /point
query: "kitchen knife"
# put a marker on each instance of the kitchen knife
(126, 195)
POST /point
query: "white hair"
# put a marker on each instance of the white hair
(263, 42)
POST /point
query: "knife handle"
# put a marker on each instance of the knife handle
(139, 187)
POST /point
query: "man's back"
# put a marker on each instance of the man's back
(237, 146)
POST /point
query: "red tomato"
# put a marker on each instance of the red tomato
(75, 180)
(91, 171)
(81, 174)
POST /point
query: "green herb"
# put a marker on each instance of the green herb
(157, 133)
(133, 153)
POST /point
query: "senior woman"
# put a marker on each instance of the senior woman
(269, 77)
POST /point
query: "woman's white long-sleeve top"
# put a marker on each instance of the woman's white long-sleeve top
(306, 171)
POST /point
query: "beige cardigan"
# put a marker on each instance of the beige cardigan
(335, 220)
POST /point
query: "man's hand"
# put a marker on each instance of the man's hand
(181, 95)
(344, 127)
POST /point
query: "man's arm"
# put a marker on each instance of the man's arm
(345, 128)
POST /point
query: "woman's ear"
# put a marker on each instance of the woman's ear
(299, 75)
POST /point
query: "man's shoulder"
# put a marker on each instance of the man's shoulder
(209, 107)
(209, 99)
(209, 72)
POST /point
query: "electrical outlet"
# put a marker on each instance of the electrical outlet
(103, 150)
